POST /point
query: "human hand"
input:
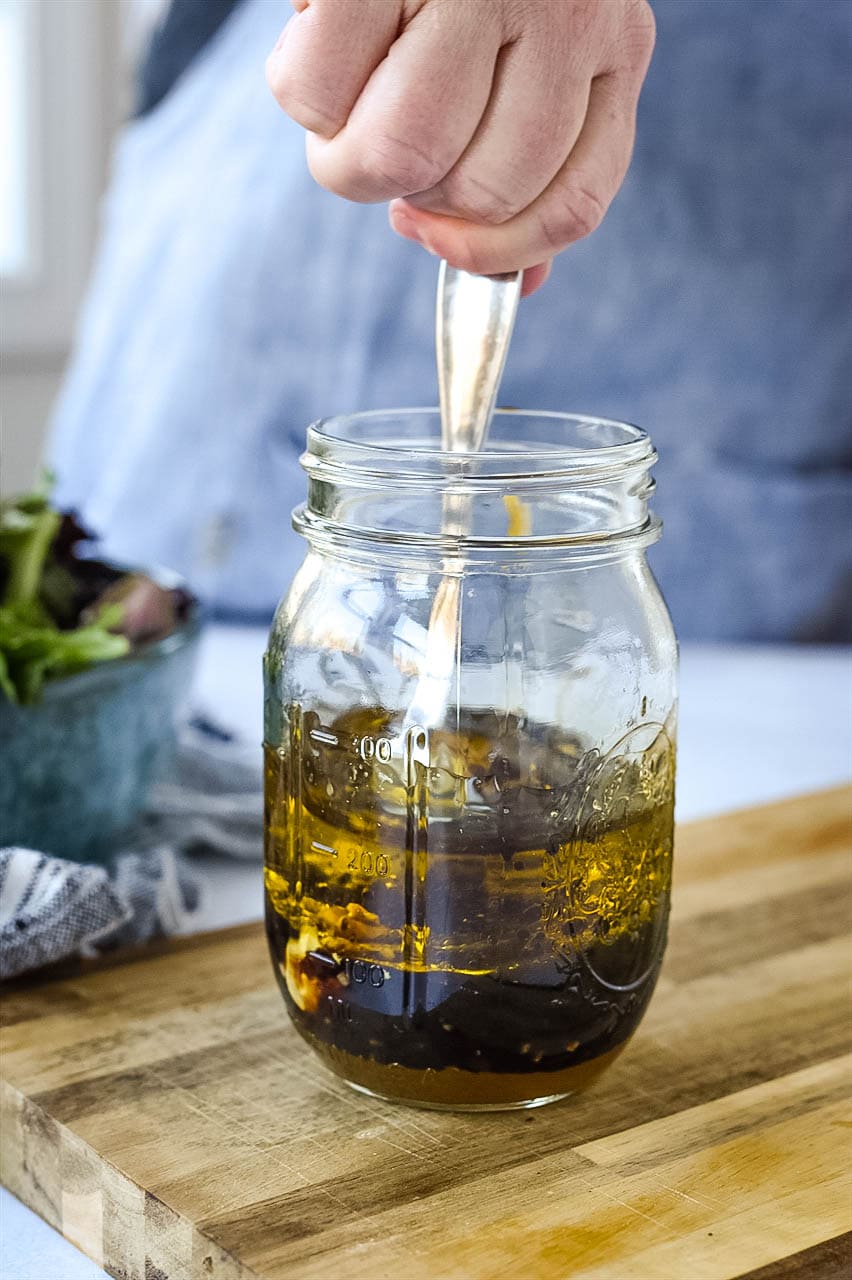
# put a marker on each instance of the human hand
(500, 130)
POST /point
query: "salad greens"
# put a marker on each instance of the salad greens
(39, 633)
(31, 649)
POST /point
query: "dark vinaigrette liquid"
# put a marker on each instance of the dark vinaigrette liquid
(468, 918)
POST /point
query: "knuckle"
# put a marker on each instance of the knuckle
(579, 213)
(640, 33)
(398, 166)
(469, 197)
(647, 23)
(300, 105)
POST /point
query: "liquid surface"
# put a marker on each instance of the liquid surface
(468, 918)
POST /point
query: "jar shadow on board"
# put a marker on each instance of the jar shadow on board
(469, 804)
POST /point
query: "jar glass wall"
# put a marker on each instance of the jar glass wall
(470, 728)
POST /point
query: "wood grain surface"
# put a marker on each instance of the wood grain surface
(160, 1112)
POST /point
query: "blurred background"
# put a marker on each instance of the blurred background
(232, 301)
(54, 162)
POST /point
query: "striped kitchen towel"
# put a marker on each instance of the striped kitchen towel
(51, 908)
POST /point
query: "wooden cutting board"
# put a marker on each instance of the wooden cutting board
(162, 1115)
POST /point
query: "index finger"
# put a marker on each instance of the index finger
(418, 111)
(325, 56)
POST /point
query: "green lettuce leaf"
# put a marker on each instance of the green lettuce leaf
(28, 526)
(56, 614)
(33, 649)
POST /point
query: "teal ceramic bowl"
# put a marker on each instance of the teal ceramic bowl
(77, 767)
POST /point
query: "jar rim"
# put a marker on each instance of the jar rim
(375, 444)
(519, 553)
(381, 479)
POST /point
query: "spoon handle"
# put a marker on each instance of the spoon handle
(474, 319)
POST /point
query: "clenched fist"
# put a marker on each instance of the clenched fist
(499, 129)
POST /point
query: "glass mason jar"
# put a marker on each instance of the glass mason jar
(470, 728)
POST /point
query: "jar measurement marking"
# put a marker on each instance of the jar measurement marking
(368, 863)
(319, 847)
(362, 972)
(370, 748)
(366, 746)
(338, 1009)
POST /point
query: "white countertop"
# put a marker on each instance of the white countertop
(756, 723)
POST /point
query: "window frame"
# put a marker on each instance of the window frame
(70, 88)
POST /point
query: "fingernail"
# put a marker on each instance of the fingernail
(405, 225)
(402, 221)
(534, 278)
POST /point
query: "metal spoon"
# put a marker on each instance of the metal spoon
(474, 319)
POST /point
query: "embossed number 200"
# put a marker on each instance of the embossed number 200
(369, 864)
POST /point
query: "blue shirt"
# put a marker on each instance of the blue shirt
(233, 301)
